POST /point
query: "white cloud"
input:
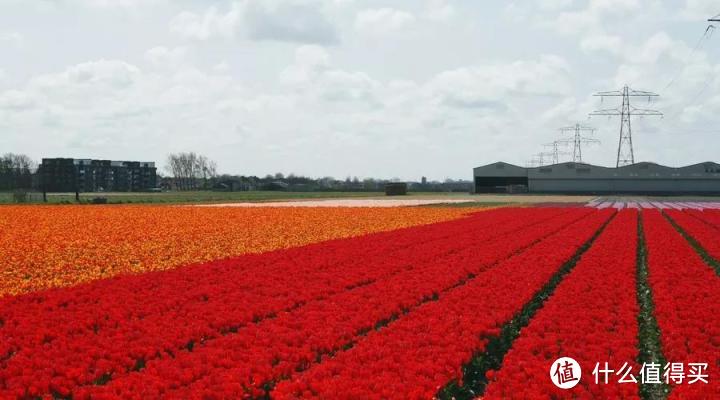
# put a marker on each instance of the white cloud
(222, 67)
(163, 57)
(117, 105)
(614, 6)
(211, 23)
(287, 21)
(451, 87)
(655, 47)
(119, 3)
(602, 42)
(310, 60)
(382, 20)
(15, 100)
(315, 78)
(484, 86)
(700, 9)
(555, 4)
(14, 39)
(93, 74)
(439, 10)
(595, 16)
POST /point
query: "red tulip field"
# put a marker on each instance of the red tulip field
(430, 303)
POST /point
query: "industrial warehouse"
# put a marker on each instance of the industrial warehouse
(578, 177)
(571, 177)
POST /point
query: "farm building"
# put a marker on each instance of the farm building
(569, 177)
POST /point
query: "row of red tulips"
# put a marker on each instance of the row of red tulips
(700, 226)
(710, 216)
(62, 339)
(591, 317)
(686, 294)
(414, 356)
(248, 362)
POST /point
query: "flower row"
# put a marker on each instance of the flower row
(686, 295)
(417, 354)
(255, 357)
(59, 340)
(60, 246)
(590, 317)
(699, 225)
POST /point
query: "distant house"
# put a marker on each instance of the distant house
(276, 185)
(396, 189)
(232, 185)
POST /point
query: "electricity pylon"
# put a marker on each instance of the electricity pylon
(538, 160)
(578, 139)
(625, 153)
(555, 153)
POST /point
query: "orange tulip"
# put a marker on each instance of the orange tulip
(53, 246)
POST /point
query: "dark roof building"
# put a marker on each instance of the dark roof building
(85, 175)
(569, 177)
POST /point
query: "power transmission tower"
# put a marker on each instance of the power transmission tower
(532, 163)
(625, 153)
(715, 18)
(538, 160)
(555, 153)
(542, 158)
(578, 139)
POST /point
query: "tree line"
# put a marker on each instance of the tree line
(191, 171)
(16, 172)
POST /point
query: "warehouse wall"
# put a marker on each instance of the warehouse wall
(641, 178)
(640, 186)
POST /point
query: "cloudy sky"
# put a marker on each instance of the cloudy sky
(401, 88)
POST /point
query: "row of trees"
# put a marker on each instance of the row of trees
(16, 172)
(191, 171)
(299, 183)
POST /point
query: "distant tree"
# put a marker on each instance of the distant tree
(189, 168)
(370, 184)
(16, 171)
(207, 170)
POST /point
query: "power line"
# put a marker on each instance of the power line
(539, 160)
(625, 153)
(708, 81)
(706, 35)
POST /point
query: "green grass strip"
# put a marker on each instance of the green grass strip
(709, 260)
(649, 346)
